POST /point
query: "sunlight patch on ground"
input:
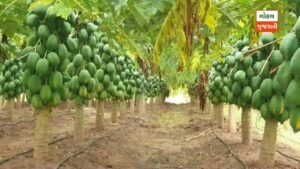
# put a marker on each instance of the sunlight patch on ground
(179, 97)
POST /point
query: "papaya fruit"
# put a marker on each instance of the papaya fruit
(43, 31)
(52, 42)
(56, 80)
(32, 20)
(267, 37)
(289, 45)
(297, 29)
(284, 75)
(34, 84)
(276, 58)
(45, 93)
(78, 61)
(266, 88)
(291, 98)
(86, 52)
(83, 35)
(84, 76)
(32, 60)
(246, 93)
(295, 64)
(257, 100)
(236, 88)
(42, 67)
(276, 105)
(265, 112)
(295, 119)
(53, 59)
(240, 76)
(36, 102)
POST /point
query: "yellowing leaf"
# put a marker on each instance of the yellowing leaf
(241, 24)
(40, 2)
(210, 22)
(182, 59)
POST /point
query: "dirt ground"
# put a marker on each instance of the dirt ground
(166, 137)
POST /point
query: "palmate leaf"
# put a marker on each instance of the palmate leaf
(61, 9)
(12, 17)
(228, 15)
(139, 13)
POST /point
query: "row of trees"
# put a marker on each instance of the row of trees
(71, 60)
(263, 78)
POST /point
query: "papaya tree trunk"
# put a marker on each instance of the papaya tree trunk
(10, 109)
(161, 100)
(138, 104)
(23, 100)
(268, 145)
(99, 115)
(213, 114)
(18, 103)
(114, 112)
(246, 125)
(208, 107)
(78, 124)
(232, 119)
(123, 109)
(151, 104)
(219, 115)
(145, 104)
(41, 135)
(132, 104)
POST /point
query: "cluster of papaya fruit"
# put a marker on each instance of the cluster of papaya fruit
(267, 80)
(280, 89)
(47, 58)
(78, 64)
(228, 82)
(11, 79)
(267, 96)
(155, 86)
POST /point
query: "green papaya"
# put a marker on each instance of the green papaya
(289, 45)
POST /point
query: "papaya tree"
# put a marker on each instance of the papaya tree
(277, 88)
(43, 78)
(81, 70)
(240, 89)
(11, 83)
(113, 77)
(126, 64)
(155, 89)
(217, 90)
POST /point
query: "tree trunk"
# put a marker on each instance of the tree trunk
(208, 107)
(132, 104)
(232, 119)
(10, 109)
(99, 115)
(213, 114)
(246, 126)
(151, 103)
(139, 104)
(219, 115)
(41, 135)
(114, 112)
(268, 145)
(122, 109)
(145, 104)
(19, 103)
(78, 124)
(161, 100)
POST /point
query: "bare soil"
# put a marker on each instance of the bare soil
(166, 137)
